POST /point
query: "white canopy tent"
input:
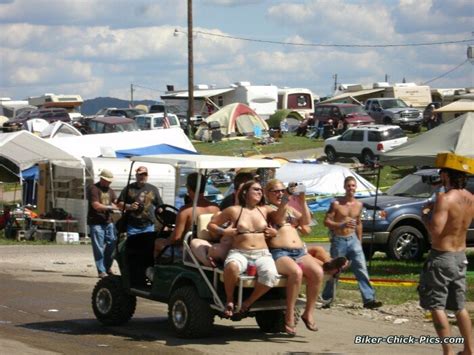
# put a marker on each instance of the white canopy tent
(25, 149)
(95, 145)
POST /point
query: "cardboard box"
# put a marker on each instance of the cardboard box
(455, 162)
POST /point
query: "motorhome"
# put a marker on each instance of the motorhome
(71, 103)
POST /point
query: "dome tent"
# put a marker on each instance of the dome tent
(235, 118)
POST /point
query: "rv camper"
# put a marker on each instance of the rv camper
(296, 99)
(70, 102)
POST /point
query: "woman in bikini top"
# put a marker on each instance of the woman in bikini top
(248, 220)
(293, 220)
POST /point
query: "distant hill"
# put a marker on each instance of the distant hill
(90, 107)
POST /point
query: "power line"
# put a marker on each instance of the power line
(144, 87)
(330, 45)
(444, 74)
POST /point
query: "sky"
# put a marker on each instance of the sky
(98, 48)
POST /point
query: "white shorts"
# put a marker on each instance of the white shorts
(267, 273)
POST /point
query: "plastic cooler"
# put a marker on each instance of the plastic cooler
(67, 237)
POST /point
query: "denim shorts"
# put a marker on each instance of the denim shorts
(295, 254)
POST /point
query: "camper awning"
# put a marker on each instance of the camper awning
(457, 106)
(197, 93)
(25, 149)
(354, 94)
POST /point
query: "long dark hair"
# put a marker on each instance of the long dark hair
(243, 194)
(457, 179)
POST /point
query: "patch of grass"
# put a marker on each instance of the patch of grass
(250, 146)
(387, 269)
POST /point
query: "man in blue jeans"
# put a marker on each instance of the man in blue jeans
(101, 203)
(343, 219)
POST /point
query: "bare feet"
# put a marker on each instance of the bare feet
(229, 310)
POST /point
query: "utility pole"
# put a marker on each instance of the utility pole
(131, 95)
(335, 82)
(190, 66)
(386, 78)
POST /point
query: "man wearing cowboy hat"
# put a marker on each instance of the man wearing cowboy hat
(102, 230)
(140, 199)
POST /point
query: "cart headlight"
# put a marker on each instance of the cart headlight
(368, 215)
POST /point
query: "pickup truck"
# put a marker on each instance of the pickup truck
(394, 111)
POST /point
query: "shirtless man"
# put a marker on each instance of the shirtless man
(443, 279)
(343, 219)
(184, 217)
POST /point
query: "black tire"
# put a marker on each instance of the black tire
(416, 129)
(111, 304)
(387, 120)
(406, 243)
(271, 321)
(331, 154)
(367, 156)
(188, 314)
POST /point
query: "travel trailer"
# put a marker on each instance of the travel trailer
(207, 100)
(70, 102)
(11, 108)
(296, 99)
(417, 96)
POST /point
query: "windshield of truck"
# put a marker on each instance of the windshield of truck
(395, 103)
(355, 110)
(413, 186)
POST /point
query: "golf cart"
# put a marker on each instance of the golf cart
(194, 293)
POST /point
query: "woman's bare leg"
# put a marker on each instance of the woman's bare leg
(287, 266)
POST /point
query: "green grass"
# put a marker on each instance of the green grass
(384, 268)
(247, 147)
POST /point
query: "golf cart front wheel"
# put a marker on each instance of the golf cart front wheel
(271, 321)
(110, 303)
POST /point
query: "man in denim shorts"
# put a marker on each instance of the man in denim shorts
(443, 279)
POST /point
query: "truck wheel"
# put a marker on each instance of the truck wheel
(387, 120)
(331, 154)
(271, 321)
(406, 243)
(111, 304)
(416, 129)
(367, 156)
(189, 315)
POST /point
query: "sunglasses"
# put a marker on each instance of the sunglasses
(257, 189)
(278, 191)
(143, 174)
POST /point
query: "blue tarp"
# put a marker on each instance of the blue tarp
(152, 150)
(30, 173)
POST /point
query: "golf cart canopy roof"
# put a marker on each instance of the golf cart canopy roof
(201, 162)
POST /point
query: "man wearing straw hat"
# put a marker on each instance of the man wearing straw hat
(443, 278)
(102, 230)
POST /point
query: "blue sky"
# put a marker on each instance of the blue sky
(99, 47)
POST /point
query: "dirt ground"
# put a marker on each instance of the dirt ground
(345, 320)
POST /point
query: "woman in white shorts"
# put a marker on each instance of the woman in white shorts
(248, 229)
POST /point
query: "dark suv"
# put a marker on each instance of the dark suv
(48, 114)
(398, 229)
(350, 115)
(106, 125)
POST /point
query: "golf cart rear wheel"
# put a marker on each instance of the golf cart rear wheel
(271, 321)
(406, 243)
(188, 314)
(111, 304)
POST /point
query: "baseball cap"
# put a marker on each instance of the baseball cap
(106, 175)
(141, 170)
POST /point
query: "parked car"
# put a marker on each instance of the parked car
(341, 115)
(105, 125)
(48, 114)
(365, 142)
(394, 111)
(123, 112)
(398, 229)
(156, 121)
